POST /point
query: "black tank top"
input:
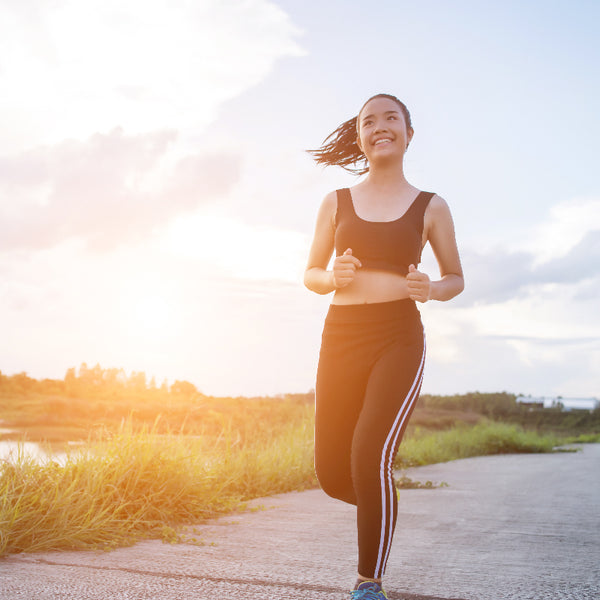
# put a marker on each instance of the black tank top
(381, 245)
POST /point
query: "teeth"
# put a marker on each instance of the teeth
(384, 141)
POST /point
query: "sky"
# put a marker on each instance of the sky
(157, 203)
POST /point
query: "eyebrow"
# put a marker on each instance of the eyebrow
(387, 112)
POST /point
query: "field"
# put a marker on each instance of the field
(158, 459)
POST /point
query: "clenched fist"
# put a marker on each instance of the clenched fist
(344, 269)
(419, 285)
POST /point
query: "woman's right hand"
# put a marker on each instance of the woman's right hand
(344, 269)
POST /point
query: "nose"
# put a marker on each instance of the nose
(380, 126)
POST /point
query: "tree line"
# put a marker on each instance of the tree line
(95, 382)
(95, 393)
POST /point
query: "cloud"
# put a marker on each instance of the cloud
(494, 276)
(528, 319)
(69, 68)
(500, 275)
(542, 343)
(563, 250)
(581, 262)
(563, 228)
(109, 189)
(519, 365)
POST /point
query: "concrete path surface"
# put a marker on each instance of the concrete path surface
(522, 527)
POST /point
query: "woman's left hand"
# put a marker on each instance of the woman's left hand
(419, 285)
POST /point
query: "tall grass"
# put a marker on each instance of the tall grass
(138, 484)
(145, 484)
(483, 439)
(583, 438)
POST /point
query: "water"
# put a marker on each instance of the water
(11, 451)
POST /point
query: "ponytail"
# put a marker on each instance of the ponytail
(340, 148)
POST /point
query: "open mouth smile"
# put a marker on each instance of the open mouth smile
(382, 141)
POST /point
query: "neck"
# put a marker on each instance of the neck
(387, 177)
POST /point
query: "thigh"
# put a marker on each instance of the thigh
(342, 378)
(390, 397)
(340, 390)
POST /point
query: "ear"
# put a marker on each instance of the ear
(358, 144)
(409, 136)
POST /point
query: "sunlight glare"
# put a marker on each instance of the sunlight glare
(238, 249)
(153, 313)
(149, 316)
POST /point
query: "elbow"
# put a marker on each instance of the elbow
(315, 279)
(309, 282)
(454, 284)
(307, 279)
(460, 285)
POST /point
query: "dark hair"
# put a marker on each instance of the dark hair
(340, 148)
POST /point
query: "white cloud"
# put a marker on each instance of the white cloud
(565, 227)
(69, 68)
(514, 347)
(528, 320)
(109, 189)
(545, 314)
(563, 249)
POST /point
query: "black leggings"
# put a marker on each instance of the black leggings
(368, 381)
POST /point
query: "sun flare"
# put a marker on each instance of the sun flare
(149, 316)
(153, 313)
(238, 249)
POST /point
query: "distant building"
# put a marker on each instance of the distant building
(531, 403)
(580, 403)
(558, 401)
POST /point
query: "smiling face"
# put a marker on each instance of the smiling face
(383, 130)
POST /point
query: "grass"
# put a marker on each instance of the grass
(483, 439)
(144, 484)
(583, 438)
(139, 484)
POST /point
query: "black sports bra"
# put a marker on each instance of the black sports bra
(381, 245)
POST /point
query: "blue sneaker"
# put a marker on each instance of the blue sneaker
(368, 590)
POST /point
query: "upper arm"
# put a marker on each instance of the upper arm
(324, 238)
(439, 232)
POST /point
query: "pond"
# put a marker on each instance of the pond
(11, 450)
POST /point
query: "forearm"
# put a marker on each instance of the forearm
(319, 280)
(447, 287)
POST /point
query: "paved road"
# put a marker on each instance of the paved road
(517, 527)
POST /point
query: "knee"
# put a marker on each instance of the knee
(339, 493)
(335, 484)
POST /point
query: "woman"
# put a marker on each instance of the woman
(373, 349)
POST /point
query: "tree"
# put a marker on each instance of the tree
(184, 388)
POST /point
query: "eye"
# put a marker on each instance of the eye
(393, 117)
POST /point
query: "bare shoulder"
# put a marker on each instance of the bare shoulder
(438, 204)
(330, 201)
(437, 209)
(328, 208)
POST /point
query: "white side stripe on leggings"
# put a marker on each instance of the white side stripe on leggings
(387, 516)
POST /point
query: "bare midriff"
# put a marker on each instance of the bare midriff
(371, 286)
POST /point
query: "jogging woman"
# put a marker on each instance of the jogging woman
(373, 347)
